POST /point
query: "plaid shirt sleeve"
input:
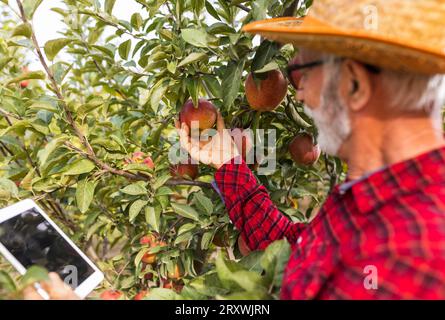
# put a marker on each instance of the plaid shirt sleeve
(251, 209)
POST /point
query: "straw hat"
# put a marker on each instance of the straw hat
(402, 35)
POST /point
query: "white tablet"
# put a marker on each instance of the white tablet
(29, 237)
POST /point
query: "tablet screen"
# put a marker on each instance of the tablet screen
(32, 240)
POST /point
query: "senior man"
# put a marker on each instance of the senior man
(370, 75)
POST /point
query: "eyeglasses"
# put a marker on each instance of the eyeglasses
(294, 79)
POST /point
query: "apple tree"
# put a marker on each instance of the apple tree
(87, 135)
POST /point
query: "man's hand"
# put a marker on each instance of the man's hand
(54, 286)
(214, 151)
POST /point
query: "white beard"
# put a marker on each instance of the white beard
(331, 119)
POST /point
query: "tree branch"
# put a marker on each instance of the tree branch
(240, 6)
(183, 182)
(291, 10)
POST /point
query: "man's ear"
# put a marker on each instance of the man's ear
(355, 85)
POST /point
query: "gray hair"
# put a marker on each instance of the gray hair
(409, 91)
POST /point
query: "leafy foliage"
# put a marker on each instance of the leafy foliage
(108, 88)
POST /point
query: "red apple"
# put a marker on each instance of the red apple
(141, 295)
(269, 93)
(111, 295)
(149, 258)
(303, 151)
(148, 239)
(149, 162)
(205, 114)
(24, 84)
(140, 157)
(185, 171)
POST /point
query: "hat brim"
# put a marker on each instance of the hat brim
(368, 47)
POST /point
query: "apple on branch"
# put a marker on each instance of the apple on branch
(268, 93)
(205, 114)
(303, 150)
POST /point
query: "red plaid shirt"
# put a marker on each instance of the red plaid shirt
(387, 229)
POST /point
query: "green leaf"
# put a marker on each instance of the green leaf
(7, 189)
(43, 154)
(164, 191)
(124, 49)
(153, 218)
(19, 126)
(203, 202)
(274, 261)
(60, 70)
(212, 11)
(264, 54)
(158, 93)
(109, 5)
(85, 194)
(196, 37)
(93, 229)
(185, 211)
(127, 283)
(53, 47)
(136, 208)
(268, 67)
(248, 280)
(193, 89)
(231, 82)
(30, 7)
(221, 28)
(34, 75)
(161, 180)
(206, 239)
(136, 21)
(79, 167)
(162, 294)
(34, 274)
(23, 30)
(44, 105)
(212, 86)
(135, 189)
(226, 270)
(259, 9)
(26, 183)
(7, 282)
(4, 62)
(90, 106)
(140, 255)
(192, 57)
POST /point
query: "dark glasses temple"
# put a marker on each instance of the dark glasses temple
(293, 67)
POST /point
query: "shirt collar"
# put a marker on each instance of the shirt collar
(343, 188)
(378, 187)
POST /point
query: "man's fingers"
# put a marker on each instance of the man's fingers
(30, 293)
(184, 138)
(55, 279)
(53, 284)
(57, 289)
(220, 122)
